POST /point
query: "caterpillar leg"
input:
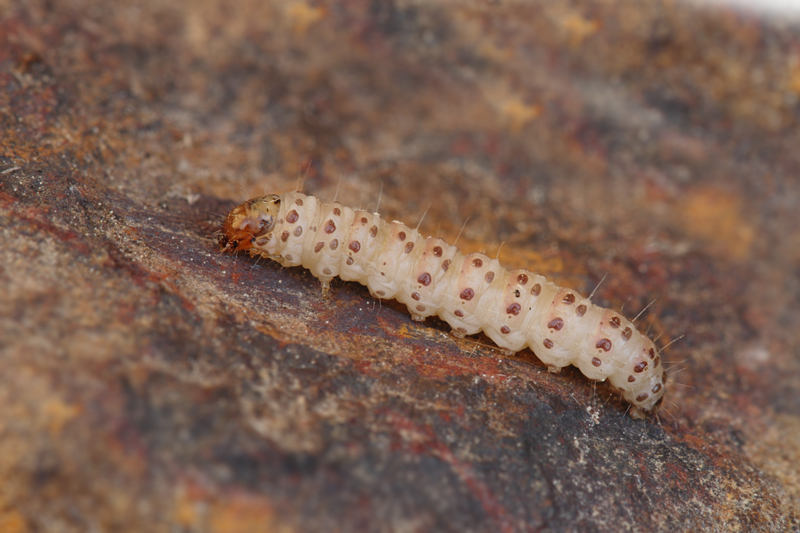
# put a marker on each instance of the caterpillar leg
(277, 258)
(638, 413)
(458, 333)
(417, 318)
(326, 288)
(553, 369)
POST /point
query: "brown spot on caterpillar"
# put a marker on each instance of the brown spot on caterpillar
(596, 361)
(437, 251)
(459, 313)
(299, 201)
(298, 231)
(289, 257)
(337, 211)
(350, 261)
(477, 263)
(330, 227)
(285, 236)
(536, 289)
(489, 277)
(318, 247)
(517, 293)
(327, 271)
(656, 362)
(467, 294)
(639, 367)
(355, 246)
(656, 388)
(334, 244)
(380, 293)
(652, 353)
(580, 310)
(514, 309)
(424, 279)
(556, 324)
(313, 229)
(364, 220)
(522, 279)
(446, 265)
(420, 308)
(603, 344)
(292, 217)
(569, 299)
(409, 247)
(642, 397)
(401, 235)
(614, 322)
(548, 343)
(261, 241)
(627, 333)
(373, 231)
(631, 378)
(415, 295)
(505, 330)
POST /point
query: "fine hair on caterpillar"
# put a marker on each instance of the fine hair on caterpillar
(471, 292)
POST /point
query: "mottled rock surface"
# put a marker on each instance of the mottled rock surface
(150, 383)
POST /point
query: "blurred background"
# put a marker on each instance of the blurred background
(150, 383)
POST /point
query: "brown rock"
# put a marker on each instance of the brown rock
(150, 383)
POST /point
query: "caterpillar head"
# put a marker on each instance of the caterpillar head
(250, 220)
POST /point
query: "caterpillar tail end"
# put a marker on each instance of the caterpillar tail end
(640, 413)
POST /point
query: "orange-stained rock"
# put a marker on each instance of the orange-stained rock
(150, 382)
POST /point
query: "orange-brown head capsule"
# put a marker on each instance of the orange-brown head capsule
(248, 221)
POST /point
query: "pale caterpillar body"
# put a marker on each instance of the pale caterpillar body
(472, 292)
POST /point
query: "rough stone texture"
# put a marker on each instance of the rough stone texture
(151, 384)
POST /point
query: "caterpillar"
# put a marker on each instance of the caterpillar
(472, 292)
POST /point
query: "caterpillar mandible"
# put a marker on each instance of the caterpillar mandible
(472, 292)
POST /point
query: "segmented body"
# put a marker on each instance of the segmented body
(472, 292)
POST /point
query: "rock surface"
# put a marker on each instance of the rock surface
(150, 383)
